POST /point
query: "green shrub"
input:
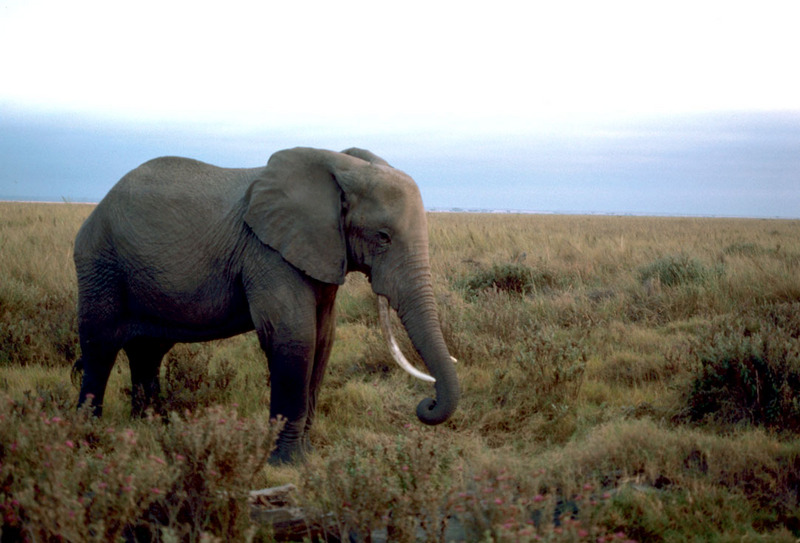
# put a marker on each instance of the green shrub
(747, 370)
(513, 278)
(675, 270)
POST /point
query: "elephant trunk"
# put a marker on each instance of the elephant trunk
(394, 348)
(417, 312)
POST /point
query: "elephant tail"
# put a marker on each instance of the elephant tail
(77, 372)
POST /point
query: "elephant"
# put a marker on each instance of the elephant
(184, 251)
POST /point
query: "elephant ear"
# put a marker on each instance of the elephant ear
(295, 207)
(363, 154)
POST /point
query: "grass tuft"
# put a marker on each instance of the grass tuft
(675, 270)
(538, 390)
(747, 370)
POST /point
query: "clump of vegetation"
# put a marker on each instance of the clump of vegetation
(747, 370)
(410, 488)
(746, 249)
(398, 485)
(675, 270)
(191, 380)
(45, 333)
(513, 278)
(216, 456)
(498, 505)
(65, 474)
(685, 484)
(356, 303)
(540, 386)
(675, 288)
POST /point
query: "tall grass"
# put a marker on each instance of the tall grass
(38, 290)
(622, 377)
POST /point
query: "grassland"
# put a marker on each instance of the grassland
(623, 378)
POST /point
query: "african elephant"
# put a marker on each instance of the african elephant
(182, 251)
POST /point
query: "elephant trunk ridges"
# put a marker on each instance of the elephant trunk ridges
(417, 312)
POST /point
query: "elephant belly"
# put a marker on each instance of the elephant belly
(200, 314)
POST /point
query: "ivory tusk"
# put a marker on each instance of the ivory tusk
(394, 348)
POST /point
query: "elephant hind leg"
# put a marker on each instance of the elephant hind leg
(97, 359)
(145, 355)
(100, 327)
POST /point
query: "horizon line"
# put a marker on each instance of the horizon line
(501, 211)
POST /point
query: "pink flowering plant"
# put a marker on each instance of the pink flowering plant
(216, 454)
(64, 474)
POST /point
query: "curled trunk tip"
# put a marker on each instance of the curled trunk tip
(431, 413)
(425, 334)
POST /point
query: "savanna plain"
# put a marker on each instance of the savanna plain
(623, 378)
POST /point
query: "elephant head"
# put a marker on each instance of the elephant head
(330, 213)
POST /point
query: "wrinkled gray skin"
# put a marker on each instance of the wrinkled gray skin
(182, 251)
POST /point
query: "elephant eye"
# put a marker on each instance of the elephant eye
(384, 238)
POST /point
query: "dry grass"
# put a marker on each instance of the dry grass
(590, 353)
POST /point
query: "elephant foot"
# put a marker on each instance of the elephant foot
(283, 455)
(291, 451)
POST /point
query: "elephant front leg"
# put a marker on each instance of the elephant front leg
(290, 367)
(283, 306)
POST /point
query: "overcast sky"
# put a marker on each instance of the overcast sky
(583, 106)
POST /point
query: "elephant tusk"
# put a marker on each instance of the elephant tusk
(394, 348)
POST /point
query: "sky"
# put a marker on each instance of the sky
(678, 108)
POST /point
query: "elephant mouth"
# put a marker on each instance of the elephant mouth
(394, 348)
